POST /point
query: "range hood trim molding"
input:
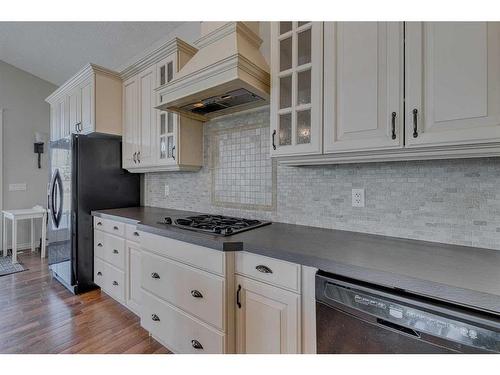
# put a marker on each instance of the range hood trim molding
(226, 29)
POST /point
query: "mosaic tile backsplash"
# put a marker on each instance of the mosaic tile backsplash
(450, 201)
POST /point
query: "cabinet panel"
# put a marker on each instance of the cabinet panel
(134, 291)
(453, 83)
(87, 107)
(147, 116)
(296, 89)
(268, 321)
(130, 122)
(363, 86)
(75, 109)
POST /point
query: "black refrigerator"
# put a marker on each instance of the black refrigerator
(85, 174)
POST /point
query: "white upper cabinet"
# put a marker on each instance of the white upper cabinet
(155, 140)
(363, 74)
(452, 83)
(296, 88)
(91, 102)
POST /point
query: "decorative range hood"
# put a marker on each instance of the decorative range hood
(228, 74)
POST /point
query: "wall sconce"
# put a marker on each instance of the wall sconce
(40, 139)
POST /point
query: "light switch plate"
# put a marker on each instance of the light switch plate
(17, 187)
(358, 197)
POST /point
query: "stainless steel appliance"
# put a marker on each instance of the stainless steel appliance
(214, 224)
(354, 317)
(86, 175)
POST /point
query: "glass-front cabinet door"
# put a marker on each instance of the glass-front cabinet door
(167, 121)
(296, 87)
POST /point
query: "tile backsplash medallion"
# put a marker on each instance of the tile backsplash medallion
(450, 201)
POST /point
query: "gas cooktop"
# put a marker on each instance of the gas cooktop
(215, 224)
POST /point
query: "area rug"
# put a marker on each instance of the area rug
(7, 268)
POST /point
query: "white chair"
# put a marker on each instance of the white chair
(37, 212)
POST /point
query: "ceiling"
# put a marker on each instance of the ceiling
(55, 51)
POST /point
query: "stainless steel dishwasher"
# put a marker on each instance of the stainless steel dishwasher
(354, 317)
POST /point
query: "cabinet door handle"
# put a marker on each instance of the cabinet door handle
(196, 294)
(134, 157)
(173, 152)
(138, 156)
(196, 344)
(99, 223)
(99, 273)
(115, 251)
(238, 301)
(415, 125)
(263, 269)
(154, 275)
(274, 135)
(393, 125)
(155, 318)
(115, 227)
(136, 234)
(99, 244)
(115, 283)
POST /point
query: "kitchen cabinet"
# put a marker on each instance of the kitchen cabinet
(452, 83)
(268, 299)
(363, 93)
(155, 140)
(296, 88)
(92, 101)
(438, 102)
(267, 319)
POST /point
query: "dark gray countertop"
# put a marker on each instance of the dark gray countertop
(458, 274)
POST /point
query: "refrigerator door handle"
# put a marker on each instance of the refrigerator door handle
(55, 191)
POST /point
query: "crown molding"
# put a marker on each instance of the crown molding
(229, 28)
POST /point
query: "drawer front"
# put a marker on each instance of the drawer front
(132, 234)
(273, 271)
(110, 248)
(99, 272)
(179, 332)
(197, 256)
(197, 292)
(114, 282)
(110, 226)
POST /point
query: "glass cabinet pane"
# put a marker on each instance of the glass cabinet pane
(285, 92)
(170, 71)
(163, 148)
(163, 117)
(285, 129)
(304, 47)
(170, 122)
(285, 54)
(170, 146)
(304, 87)
(304, 127)
(162, 75)
(285, 27)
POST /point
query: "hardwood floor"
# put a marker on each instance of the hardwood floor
(38, 315)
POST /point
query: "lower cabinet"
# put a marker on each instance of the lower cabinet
(133, 296)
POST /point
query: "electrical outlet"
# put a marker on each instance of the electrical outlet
(166, 192)
(358, 197)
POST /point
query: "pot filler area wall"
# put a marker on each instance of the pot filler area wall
(450, 201)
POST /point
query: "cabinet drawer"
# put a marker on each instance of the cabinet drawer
(110, 226)
(198, 256)
(114, 282)
(197, 292)
(110, 248)
(99, 272)
(272, 271)
(132, 234)
(177, 330)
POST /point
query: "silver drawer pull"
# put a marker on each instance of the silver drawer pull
(115, 283)
(115, 227)
(154, 275)
(99, 223)
(115, 251)
(196, 294)
(99, 273)
(263, 269)
(99, 244)
(196, 344)
(136, 234)
(155, 317)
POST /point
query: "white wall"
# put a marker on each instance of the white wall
(22, 96)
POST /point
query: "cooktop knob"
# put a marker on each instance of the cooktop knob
(228, 231)
(168, 220)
